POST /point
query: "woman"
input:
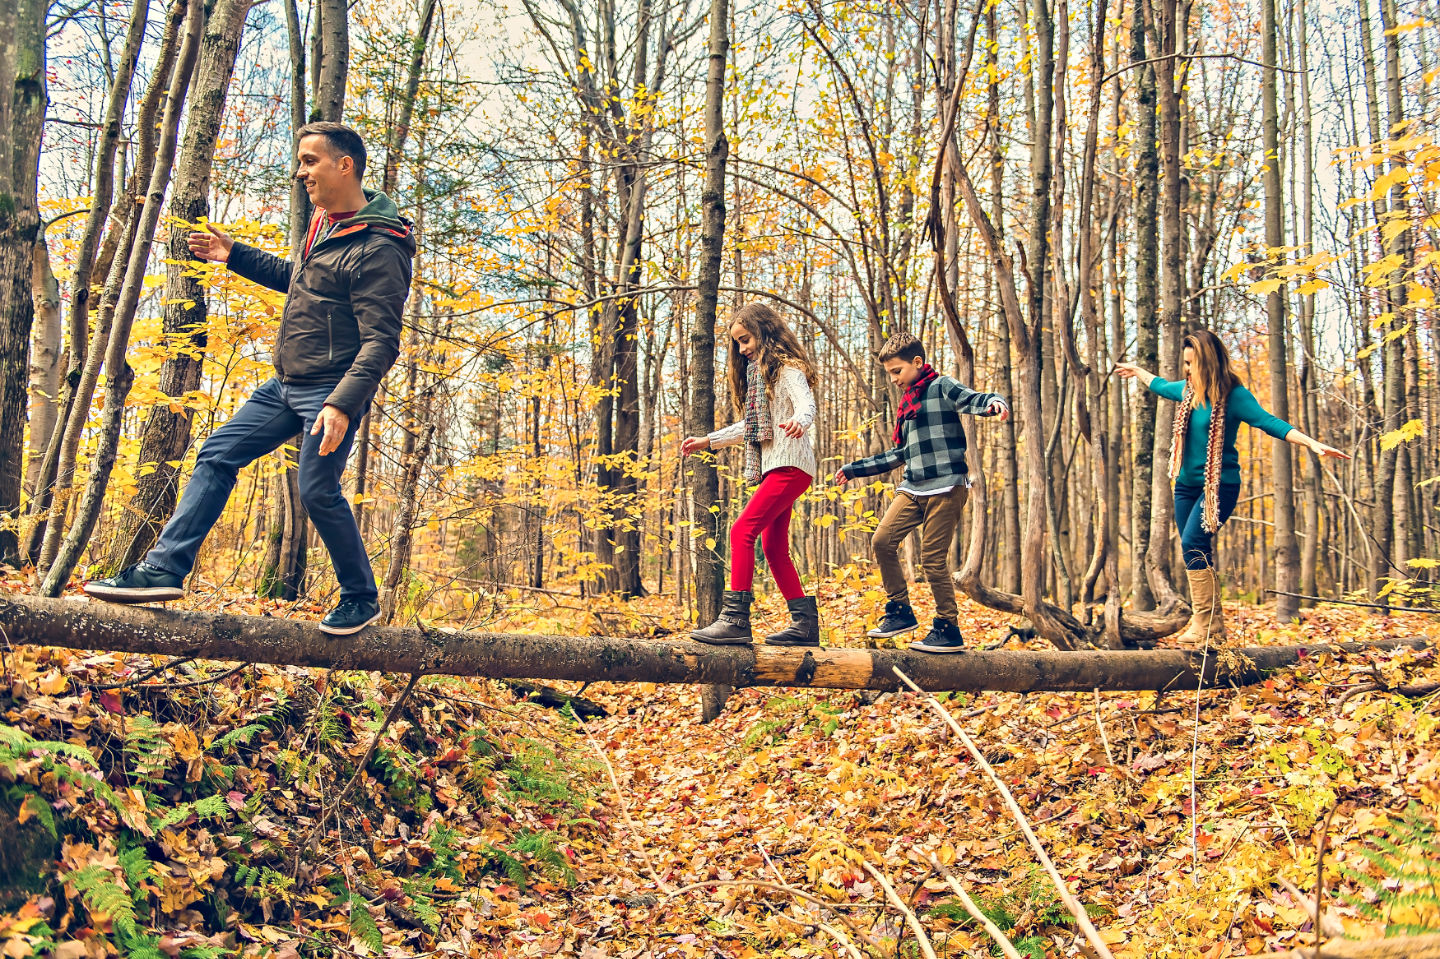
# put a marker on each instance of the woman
(1204, 464)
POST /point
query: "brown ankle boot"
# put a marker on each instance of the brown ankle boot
(1207, 619)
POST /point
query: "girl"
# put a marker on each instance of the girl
(1204, 464)
(771, 389)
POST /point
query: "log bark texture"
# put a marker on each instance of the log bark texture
(1410, 947)
(262, 639)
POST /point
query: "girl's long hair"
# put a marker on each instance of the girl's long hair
(779, 347)
(1210, 370)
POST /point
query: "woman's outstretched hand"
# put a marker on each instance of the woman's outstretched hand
(791, 429)
(1321, 450)
(1129, 371)
(694, 444)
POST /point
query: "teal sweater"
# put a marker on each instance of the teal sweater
(1240, 406)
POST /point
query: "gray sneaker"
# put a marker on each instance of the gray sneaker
(944, 638)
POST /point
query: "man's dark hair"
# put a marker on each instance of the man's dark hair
(342, 141)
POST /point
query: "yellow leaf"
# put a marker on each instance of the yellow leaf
(1378, 273)
(1410, 431)
(1391, 229)
(187, 747)
(1238, 270)
(1265, 287)
(1312, 286)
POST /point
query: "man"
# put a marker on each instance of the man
(339, 334)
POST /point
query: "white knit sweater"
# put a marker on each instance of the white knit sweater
(791, 399)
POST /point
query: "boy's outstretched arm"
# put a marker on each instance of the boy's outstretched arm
(882, 462)
(966, 400)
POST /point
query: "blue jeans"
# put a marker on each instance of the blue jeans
(272, 415)
(1197, 547)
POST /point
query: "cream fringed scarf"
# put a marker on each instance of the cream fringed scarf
(1214, 454)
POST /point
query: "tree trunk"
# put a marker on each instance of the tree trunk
(1168, 77)
(110, 263)
(45, 360)
(120, 311)
(1147, 233)
(166, 439)
(1309, 380)
(22, 118)
(1287, 550)
(409, 497)
(334, 63)
(394, 148)
(705, 486)
(271, 639)
(101, 191)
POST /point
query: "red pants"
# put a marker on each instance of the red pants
(767, 517)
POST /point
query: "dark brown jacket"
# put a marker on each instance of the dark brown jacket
(344, 302)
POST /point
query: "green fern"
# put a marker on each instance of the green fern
(137, 867)
(262, 883)
(422, 905)
(362, 924)
(1407, 859)
(141, 947)
(542, 846)
(59, 758)
(25, 798)
(202, 952)
(212, 807)
(102, 893)
(513, 868)
(148, 749)
(446, 861)
(240, 736)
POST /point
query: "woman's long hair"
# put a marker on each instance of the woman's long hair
(779, 348)
(1210, 370)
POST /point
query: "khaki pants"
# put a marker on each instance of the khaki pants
(936, 516)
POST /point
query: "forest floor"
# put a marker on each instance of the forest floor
(177, 817)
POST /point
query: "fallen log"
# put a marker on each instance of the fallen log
(79, 624)
(1411, 947)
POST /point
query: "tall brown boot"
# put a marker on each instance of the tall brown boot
(1207, 619)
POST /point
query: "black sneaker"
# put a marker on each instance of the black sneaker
(141, 583)
(351, 616)
(899, 618)
(944, 638)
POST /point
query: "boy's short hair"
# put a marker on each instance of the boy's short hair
(902, 346)
(340, 140)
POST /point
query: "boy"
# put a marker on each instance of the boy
(930, 441)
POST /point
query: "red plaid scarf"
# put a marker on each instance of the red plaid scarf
(910, 402)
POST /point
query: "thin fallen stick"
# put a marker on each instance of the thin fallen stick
(762, 884)
(1320, 876)
(1100, 724)
(927, 950)
(839, 936)
(1092, 935)
(1001, 940)
(1351, 602)
(625, 808)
